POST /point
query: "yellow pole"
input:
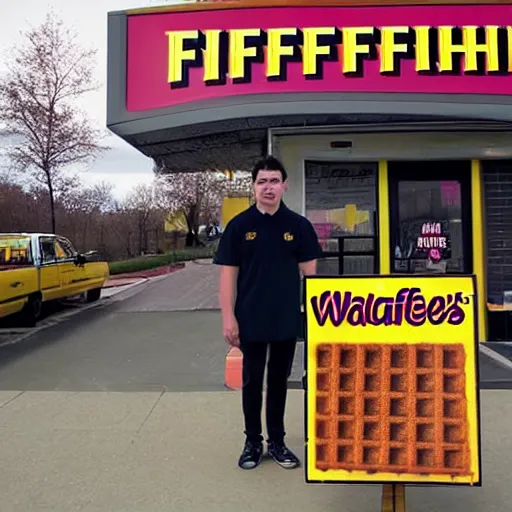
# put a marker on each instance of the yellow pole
(383, 216)
(479, 247)
(393, 498)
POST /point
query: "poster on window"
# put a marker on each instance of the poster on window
(425, 244)
(340, 198)
(432, 241)
(424, 239)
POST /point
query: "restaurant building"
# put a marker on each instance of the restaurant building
(394, 122)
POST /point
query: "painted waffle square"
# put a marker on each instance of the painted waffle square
(394, 408)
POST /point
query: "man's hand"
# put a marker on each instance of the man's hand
(230, 328)
(308, 268)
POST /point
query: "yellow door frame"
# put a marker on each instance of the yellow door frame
(383, 213)
(477, 219)
(479, 267)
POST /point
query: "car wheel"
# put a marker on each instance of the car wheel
(93, 295)
(31, 312)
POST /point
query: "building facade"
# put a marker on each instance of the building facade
(393, 120)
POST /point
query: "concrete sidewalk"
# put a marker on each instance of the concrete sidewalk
(149, 452)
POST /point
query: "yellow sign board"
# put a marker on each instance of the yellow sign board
(391, 380)
(176, 222)
(232, 206)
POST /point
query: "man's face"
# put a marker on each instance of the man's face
(269, 188)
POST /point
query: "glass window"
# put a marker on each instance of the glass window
(340, 198)
(328, 266)
(341, 202)
(66, 248)
(15, 251)
(430, 234)
(48, 252)
(355, 261)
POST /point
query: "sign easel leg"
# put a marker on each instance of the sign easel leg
(393, 498)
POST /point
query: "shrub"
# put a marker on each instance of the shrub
(160, 260)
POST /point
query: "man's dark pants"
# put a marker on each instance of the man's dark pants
(280, 361)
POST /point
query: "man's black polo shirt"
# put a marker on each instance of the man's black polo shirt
(267, 249)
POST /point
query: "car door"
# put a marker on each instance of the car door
(72, 276)
(50, 279)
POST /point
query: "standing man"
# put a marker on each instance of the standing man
(261, 253)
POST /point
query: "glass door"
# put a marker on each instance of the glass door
(430, 208)
(341, 203)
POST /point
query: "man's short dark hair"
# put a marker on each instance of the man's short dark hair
(269, 163)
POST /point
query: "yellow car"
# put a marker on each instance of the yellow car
(37, 268)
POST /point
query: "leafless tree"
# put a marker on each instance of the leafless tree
(141, 203)
(45, 77)
(92, 218)
(194, 193)
(238, 184)
(199, 194)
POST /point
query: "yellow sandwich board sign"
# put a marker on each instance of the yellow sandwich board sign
(392, 380)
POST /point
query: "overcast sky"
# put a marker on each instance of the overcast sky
(123, 166)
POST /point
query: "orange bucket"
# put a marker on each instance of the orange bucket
(233, 369)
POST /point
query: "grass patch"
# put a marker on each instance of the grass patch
(160, 260)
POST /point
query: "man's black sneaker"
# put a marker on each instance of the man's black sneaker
(282, 455)
(251, 455)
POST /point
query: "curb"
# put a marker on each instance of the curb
(495, 356)
(122, 292)
(131, 282)
(175, 267)
(203, 261)
(112, 291)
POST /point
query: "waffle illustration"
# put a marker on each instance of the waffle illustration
(392, 408)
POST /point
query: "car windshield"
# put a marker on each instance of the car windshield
(15, 251)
